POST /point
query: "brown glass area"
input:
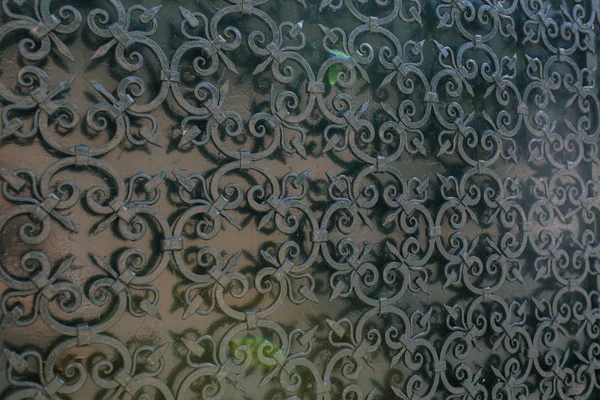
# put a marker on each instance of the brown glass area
(299, 199)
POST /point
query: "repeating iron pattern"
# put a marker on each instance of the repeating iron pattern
(442, 246)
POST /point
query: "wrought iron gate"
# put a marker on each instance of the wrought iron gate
(299, 199)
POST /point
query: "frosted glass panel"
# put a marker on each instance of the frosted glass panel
(299, 199)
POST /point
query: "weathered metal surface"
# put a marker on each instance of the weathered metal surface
(294, 199)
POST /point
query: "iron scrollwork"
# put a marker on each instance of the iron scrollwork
(424, 176)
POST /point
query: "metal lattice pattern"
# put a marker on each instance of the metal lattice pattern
(344, 199)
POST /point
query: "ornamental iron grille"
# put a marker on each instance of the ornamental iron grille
(299, 199)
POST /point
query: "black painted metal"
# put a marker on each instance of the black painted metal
(344, 199)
